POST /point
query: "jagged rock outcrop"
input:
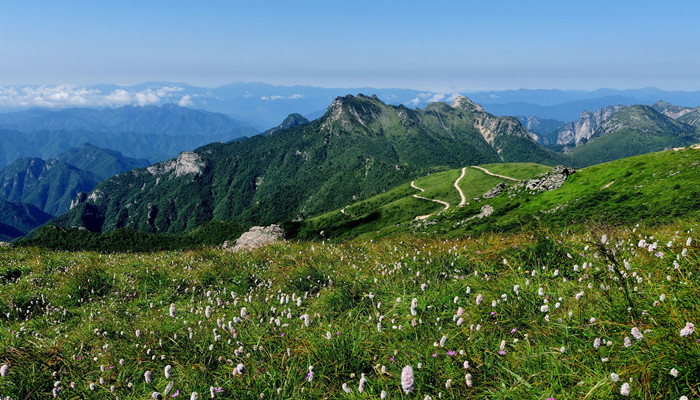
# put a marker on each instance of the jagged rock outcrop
(186, 163)
(573, 133)
(79, 198)
(552, 180)
(495, 192)
(255, 238)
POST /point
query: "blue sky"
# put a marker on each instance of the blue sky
(441, 46)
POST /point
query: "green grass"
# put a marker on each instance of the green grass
(72, 318)
(440, 186)
(395, 209)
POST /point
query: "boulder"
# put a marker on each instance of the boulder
(495, 191)
(255, 238)
(551, 180)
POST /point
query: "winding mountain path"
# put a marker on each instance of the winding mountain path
(463, 198)
(444, 203)
(492, 174)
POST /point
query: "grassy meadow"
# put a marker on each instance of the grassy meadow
(599, 314)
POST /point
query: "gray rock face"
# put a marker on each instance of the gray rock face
(79, 198)
(495, 191)
(582, 129)
(549, 181)
(256, 237)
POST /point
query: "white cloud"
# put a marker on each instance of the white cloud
(186, 101)
(278, 97)
(61, 96)
(414, 101)
(436, 98)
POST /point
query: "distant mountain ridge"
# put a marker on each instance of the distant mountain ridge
(51, 185)
(264, 105)
(168, 119)
(17, 219)
(632, 131)
(360, 147)
(151, 132)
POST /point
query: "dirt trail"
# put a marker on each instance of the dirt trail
(492, 174)
(463, 200)
(444, 203)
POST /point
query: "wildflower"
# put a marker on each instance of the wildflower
(614, 377)
(625, 389)
(379, 327)
(157, 396)
(383, 395)
(687, 243)
(688, 329)
(562, 349)
(363, 382)
(171, 311)
(627, 342)
(596, 343)
(328, 335)
(544, 308)
(168, 388)
(147, 377)
(442, 341)
(468, 379)
(579, 295)
(673, 372)
(346, 388)
(448, 384)
(604, 239)
(637, 334)
(207, 312)
(168, 371)
(310, 375)
(479, 298)
(407, 382)
(240, 368)
(4, 370)
(194, 396)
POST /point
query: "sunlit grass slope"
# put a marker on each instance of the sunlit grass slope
(521, 316)
(393, 210)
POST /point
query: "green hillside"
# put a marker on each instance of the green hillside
(395, 210)
(656, 187)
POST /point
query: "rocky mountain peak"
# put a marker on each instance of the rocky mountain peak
(359, 109)
(463, 103)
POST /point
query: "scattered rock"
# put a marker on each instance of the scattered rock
(485, 212)
(255, 238)
(495, 191)
(552, 180)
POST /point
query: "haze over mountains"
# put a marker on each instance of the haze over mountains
(264, 106)
(360, 146)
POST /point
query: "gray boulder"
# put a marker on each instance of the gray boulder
(255, 238)
(495, 191)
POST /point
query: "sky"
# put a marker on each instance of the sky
(441, 46)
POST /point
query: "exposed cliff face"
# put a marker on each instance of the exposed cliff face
(186, 163)
(575, 132)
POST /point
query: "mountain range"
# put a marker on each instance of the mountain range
(51, 185)
(264, 105)
(152, 132)
(360, 147)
